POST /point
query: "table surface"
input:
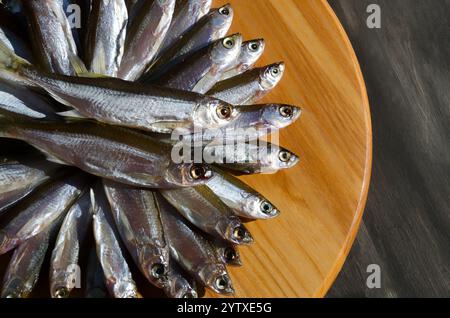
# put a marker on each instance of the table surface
(406, 225)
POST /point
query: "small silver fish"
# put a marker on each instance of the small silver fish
(53, 42)
(251, 158)
(136, 215)
(193, 252)
(37, 211)
(105, 41)
(19, 177)
(205, 210)
(250, 53)
(111, 152)
(242, 199)
(145, 36)
(211, 27)
(186, 14)
(66, 252)
(249, 87)
(201, 71)
(119, 280)
(249, 122)
(25, 265)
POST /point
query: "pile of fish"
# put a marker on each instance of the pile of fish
(99, 102)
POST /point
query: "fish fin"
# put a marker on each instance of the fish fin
(73, 113)
(77, 65)
(52, 158)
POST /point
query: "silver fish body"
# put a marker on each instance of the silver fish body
(115, 153)
(250, 53)
(185, 15)
(251, 158)
(242, 199)
(201, 71)
(53, 41)
(249, 87)
(206, 211)
(19, 178)
(211, 27)
(25, 265)
(193, 252)
(105, 41)
(37, 211)
(123, 103)
(65, 254)
(118, 278)
(137, 219)
(145, 36)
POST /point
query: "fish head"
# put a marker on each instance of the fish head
(271, 75)
(58, 287)
(188, 174)
(277, 158)
(277, 116)
(155, 262)
(225, 51)
(180, 287)
(251, 51)
(216, 277)
(234, 231)
(212, 113)
(221, 17)
(122, 288)
(260, 207)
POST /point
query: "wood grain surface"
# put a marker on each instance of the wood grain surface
(406, 228)
(300, 253)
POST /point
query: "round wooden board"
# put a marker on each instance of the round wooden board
(322, 199)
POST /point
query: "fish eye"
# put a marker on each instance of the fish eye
(266, 207)
(190, 294)
(224, 11)
(275, 71)
(62, 292)
(254, 47)
(239, 233)
(222, 282)
(158, 270)
(286, 111)
(284, 156)
(198, 172)
(228, 43)
(224, 111)
(229, 254)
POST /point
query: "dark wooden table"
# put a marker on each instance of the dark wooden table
(406, 227)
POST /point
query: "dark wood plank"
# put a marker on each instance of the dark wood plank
(406, 227)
